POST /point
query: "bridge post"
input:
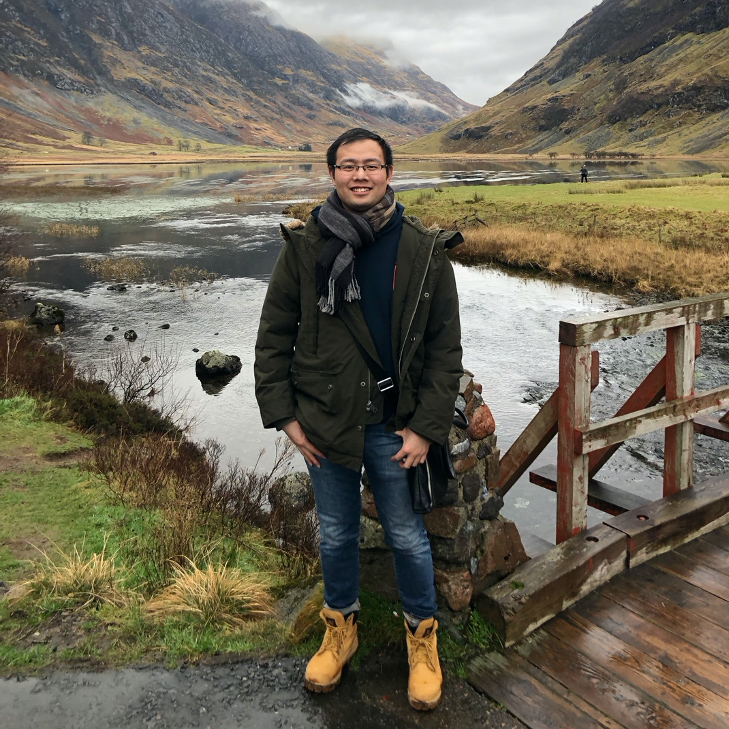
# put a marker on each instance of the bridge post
(679, 444)
(574, 413)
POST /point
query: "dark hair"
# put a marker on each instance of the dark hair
(355, 135)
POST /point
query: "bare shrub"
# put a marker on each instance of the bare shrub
(17, 265)
(182, 276)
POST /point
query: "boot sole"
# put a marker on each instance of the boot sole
(420, 705)
(325, 688)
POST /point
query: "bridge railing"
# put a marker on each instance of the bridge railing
(583, 447)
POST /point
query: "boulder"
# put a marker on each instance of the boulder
(216, 364)
(130, 335)
(294, 492)
(482, 423)
(44, 315)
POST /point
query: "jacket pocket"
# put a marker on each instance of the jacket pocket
(315, 390)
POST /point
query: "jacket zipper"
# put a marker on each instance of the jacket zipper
(415, 311)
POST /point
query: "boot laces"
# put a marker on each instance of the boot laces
(422, 651)
(333, 639)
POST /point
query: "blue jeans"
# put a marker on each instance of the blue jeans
(339, 506)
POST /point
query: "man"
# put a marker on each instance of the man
(583, 174)
(358, 360)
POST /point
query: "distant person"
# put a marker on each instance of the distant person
(583, 174)
(363, 287)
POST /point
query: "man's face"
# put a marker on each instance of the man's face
(360, 190)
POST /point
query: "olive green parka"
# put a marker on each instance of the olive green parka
(308, 366)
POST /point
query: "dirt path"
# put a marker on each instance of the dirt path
(264, 694)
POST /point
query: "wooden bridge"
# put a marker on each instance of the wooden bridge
(625, 624)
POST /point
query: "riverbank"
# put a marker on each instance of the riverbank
(660, 236)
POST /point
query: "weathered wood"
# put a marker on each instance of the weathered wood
(705, 578)
(670, 649)
(627, 322)
(718, 538)
(613, 695)
(713, 428)
(706, 554)
(542, 587)
(600, 495)
(534, 545)
(505, 680)
(515, 674)
(535, 437)
(673, 520)
(678, 468)
(701, 633)
(573, 417)
(724, 418)
(616, 430)
(663, 684)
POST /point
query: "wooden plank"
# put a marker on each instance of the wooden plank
(695, 574)
(668, 648)
(717, 539)
(678, 468)
(542, 587)
(627, 322)
(707, 636)
(535, 437)
(706, 554)
(627, 705)
(503, 679)
(573, 417)
(520, 670)
(616, 430)
(673, 520)
(724, 418)
(662, 683)
(674, 590)
(600, 495)
(711, 427)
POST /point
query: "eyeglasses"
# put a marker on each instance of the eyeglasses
(349, 169)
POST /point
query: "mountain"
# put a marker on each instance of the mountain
(641, 76)
(219, 71)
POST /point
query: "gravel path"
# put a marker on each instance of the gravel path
(263, 694)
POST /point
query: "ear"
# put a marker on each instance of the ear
(332, 170)
(390, 170)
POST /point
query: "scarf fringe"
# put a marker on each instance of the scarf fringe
(330, 303)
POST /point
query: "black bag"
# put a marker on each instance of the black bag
(429, 481)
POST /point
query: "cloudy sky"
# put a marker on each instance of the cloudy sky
(476, 47)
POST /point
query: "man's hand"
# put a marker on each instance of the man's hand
(307, 449)
(414, 449)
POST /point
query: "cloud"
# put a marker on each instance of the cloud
(476, 47)
(363, 95)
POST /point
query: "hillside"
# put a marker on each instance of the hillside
(644, 76)
(211, 71)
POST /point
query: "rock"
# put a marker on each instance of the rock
(46, 315)
(130, 335)
(458, 550)
(466, 463)
(217, 364)
(195, 349)
(445, 521)
(451, 496)
(502, 553)
(482, 423)
(145, 359)
(115, 329)
(117, 287)
(299, 608)
(109, 338)
(491, 505)
(164, 326)
(371, 534)
(293, 492)
(466, 386)
(455, 587)
(368, 503)
(460, 448)
(472, 487)
(484, 450)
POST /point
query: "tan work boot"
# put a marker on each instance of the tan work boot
(324, 671)
(426, 680)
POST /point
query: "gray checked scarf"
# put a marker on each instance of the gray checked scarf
(345, 233)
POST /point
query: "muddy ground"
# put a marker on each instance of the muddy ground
(260, 694)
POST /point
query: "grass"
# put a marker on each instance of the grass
(656, 235)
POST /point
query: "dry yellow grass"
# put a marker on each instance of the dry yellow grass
(631, 261)
(217, 595)
(118, 269)
(77, 579)
(71, 230)
(17, 265)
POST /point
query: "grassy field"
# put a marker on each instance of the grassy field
(670, 235)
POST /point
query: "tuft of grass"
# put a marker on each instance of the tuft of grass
(119, 269)
(182, 276)
(17, 265)
(217, 595)
(480, 632)
(77, 580)
(71, 230)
